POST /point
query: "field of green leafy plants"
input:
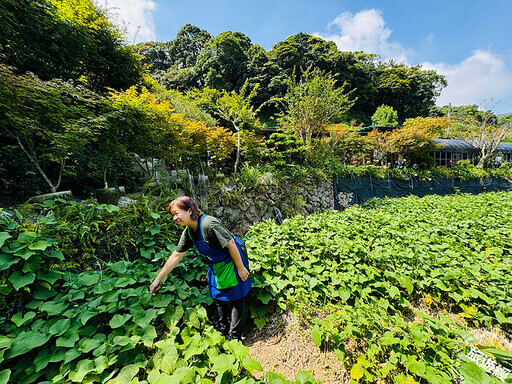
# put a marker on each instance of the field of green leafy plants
(393, 287)
(75, 302)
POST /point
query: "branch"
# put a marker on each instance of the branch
(36, 164)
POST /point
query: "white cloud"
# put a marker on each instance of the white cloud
(133, 17)
(365, 31)
(482, 76)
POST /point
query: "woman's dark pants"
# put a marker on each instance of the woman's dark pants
(230, 318)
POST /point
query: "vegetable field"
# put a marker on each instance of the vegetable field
(395, 288)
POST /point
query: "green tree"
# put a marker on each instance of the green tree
(67, 39)
(411, 91)
(482, 130)
(223, 62)
(302, 51)
(48, 120)
(385, 116)
(156, 57)
(312, 103)
(236, 108)
(147, 126)
(173, 63)
(188, 45)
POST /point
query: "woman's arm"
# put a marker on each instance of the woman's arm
(170, 264)
(237, 258)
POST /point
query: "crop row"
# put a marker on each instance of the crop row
(371, 276)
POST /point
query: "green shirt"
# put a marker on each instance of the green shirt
(214, 233)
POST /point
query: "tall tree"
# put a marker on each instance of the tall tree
(188, 45)
(411, 91)
(312, 103)
(67, 39)
(48, 120)
(385, 116)
(223, 61)
(482, 130)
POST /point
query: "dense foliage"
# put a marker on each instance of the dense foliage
(76, 304)
(79, 110)
(368, 280)
(66, 39)
(228, 60)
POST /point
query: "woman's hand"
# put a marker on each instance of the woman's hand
(243, 273)
(154, 287)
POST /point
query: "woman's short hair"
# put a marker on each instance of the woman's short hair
(185, 203)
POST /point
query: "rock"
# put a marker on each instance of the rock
(65, 195)
(266, 179)
(124, 201)
(109, 195)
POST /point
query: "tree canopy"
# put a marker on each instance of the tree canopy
(66, 39)
(227, 61)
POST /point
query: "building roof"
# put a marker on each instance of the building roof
(462, 146)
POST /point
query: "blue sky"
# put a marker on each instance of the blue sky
(468, 41)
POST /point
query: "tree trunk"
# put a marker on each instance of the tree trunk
(237, 161)
(33, 160)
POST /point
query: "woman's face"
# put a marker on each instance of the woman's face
(181, 217)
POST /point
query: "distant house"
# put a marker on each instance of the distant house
(451, 151)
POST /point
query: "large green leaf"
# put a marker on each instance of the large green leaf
(173, 315)
(24, 253)
(26, 341)
(53, 308)
(40, 245)
(149, 334)
(69, 339)
(4, 376)
(49, 276)
(33, 264)
(20, 280)
(60, 327)
(251, 365)
(264, 296)
(4, 236)
(143, 318)
(71, 355)
(473, 374)
(19, 319)
(224, 362)
(316, 334)
(82, 369)
(162, 300)
(5, 342)
(42, 360)
(7, 260)
(101, 363)
(119, 320)
(57, 255)
(88, 278)
(126, 375)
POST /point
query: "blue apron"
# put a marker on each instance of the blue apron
(217, 257)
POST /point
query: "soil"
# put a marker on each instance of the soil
(285, 346)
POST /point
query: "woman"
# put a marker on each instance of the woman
(228, 272)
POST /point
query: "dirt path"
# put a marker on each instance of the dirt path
(285, 346)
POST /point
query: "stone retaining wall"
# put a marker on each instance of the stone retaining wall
(254, 206)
